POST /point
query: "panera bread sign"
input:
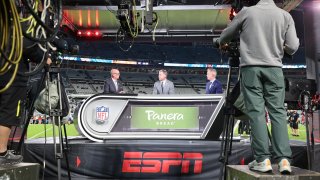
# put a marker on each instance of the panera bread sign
(160, 117)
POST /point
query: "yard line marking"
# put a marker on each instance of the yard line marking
(40, 133)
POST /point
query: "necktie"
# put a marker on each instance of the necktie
(162, 87)
(211, 85)
(116, 84)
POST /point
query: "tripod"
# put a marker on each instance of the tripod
(308, 109)
(229, 112)
(60, 148)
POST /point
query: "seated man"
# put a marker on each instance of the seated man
(163, 86)
(113, 85)
(213, 86)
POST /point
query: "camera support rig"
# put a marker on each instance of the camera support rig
(229, 113)
(56, 115)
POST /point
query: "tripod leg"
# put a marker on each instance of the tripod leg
(312, 130)
(308, 142)
(59, 117)
(224, 142)
(224, 138)
(227, 141)
(65, 150)
(231, 136)
(228, 144)
(30, 113)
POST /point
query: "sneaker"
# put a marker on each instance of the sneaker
(10, 159)
(284, 166)
(264, 166)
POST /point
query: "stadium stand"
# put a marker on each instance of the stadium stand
(98, 87)
(76, 74)
(184, 90)
(195, 79)
(140, 80)
(140, 89)
(83, 88)
(98, 75)
(136, 78)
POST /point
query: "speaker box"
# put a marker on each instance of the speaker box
(294, 87)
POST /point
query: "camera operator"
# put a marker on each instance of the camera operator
(12, 100)
(266, 32)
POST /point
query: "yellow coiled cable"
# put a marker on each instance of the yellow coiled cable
(16, 44)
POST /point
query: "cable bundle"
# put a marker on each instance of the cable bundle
(41, 32)
(11, 41)
(39, 29)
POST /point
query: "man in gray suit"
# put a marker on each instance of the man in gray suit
(163, 86)
(113, 85)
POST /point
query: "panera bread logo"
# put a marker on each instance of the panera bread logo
(164, 117)
(154, 116)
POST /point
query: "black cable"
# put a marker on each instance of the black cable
(119, 41)
(300, 100)
(35, 71)
(38, 68)
(49, 39)
(36, 17)
(52, 36)
(53, 32)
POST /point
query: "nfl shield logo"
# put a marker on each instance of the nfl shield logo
(102, 114)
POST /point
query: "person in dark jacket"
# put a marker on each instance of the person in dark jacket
(213, 85)
(113, 85)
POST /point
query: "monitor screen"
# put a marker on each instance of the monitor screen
(163, 116)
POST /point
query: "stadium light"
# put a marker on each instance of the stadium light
(89, 33)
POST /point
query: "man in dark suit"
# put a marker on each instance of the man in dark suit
(213, 86)
(113, 85)
(163, 86)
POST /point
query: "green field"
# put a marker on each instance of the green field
(302, 132)
(38, 131)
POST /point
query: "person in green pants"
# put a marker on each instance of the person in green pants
(266, 32)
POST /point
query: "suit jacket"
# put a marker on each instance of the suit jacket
(216, 87)
(168, 88)
(110, 87)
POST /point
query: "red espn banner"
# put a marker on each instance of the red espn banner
(160, 162)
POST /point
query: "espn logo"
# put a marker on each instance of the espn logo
(160, 162)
